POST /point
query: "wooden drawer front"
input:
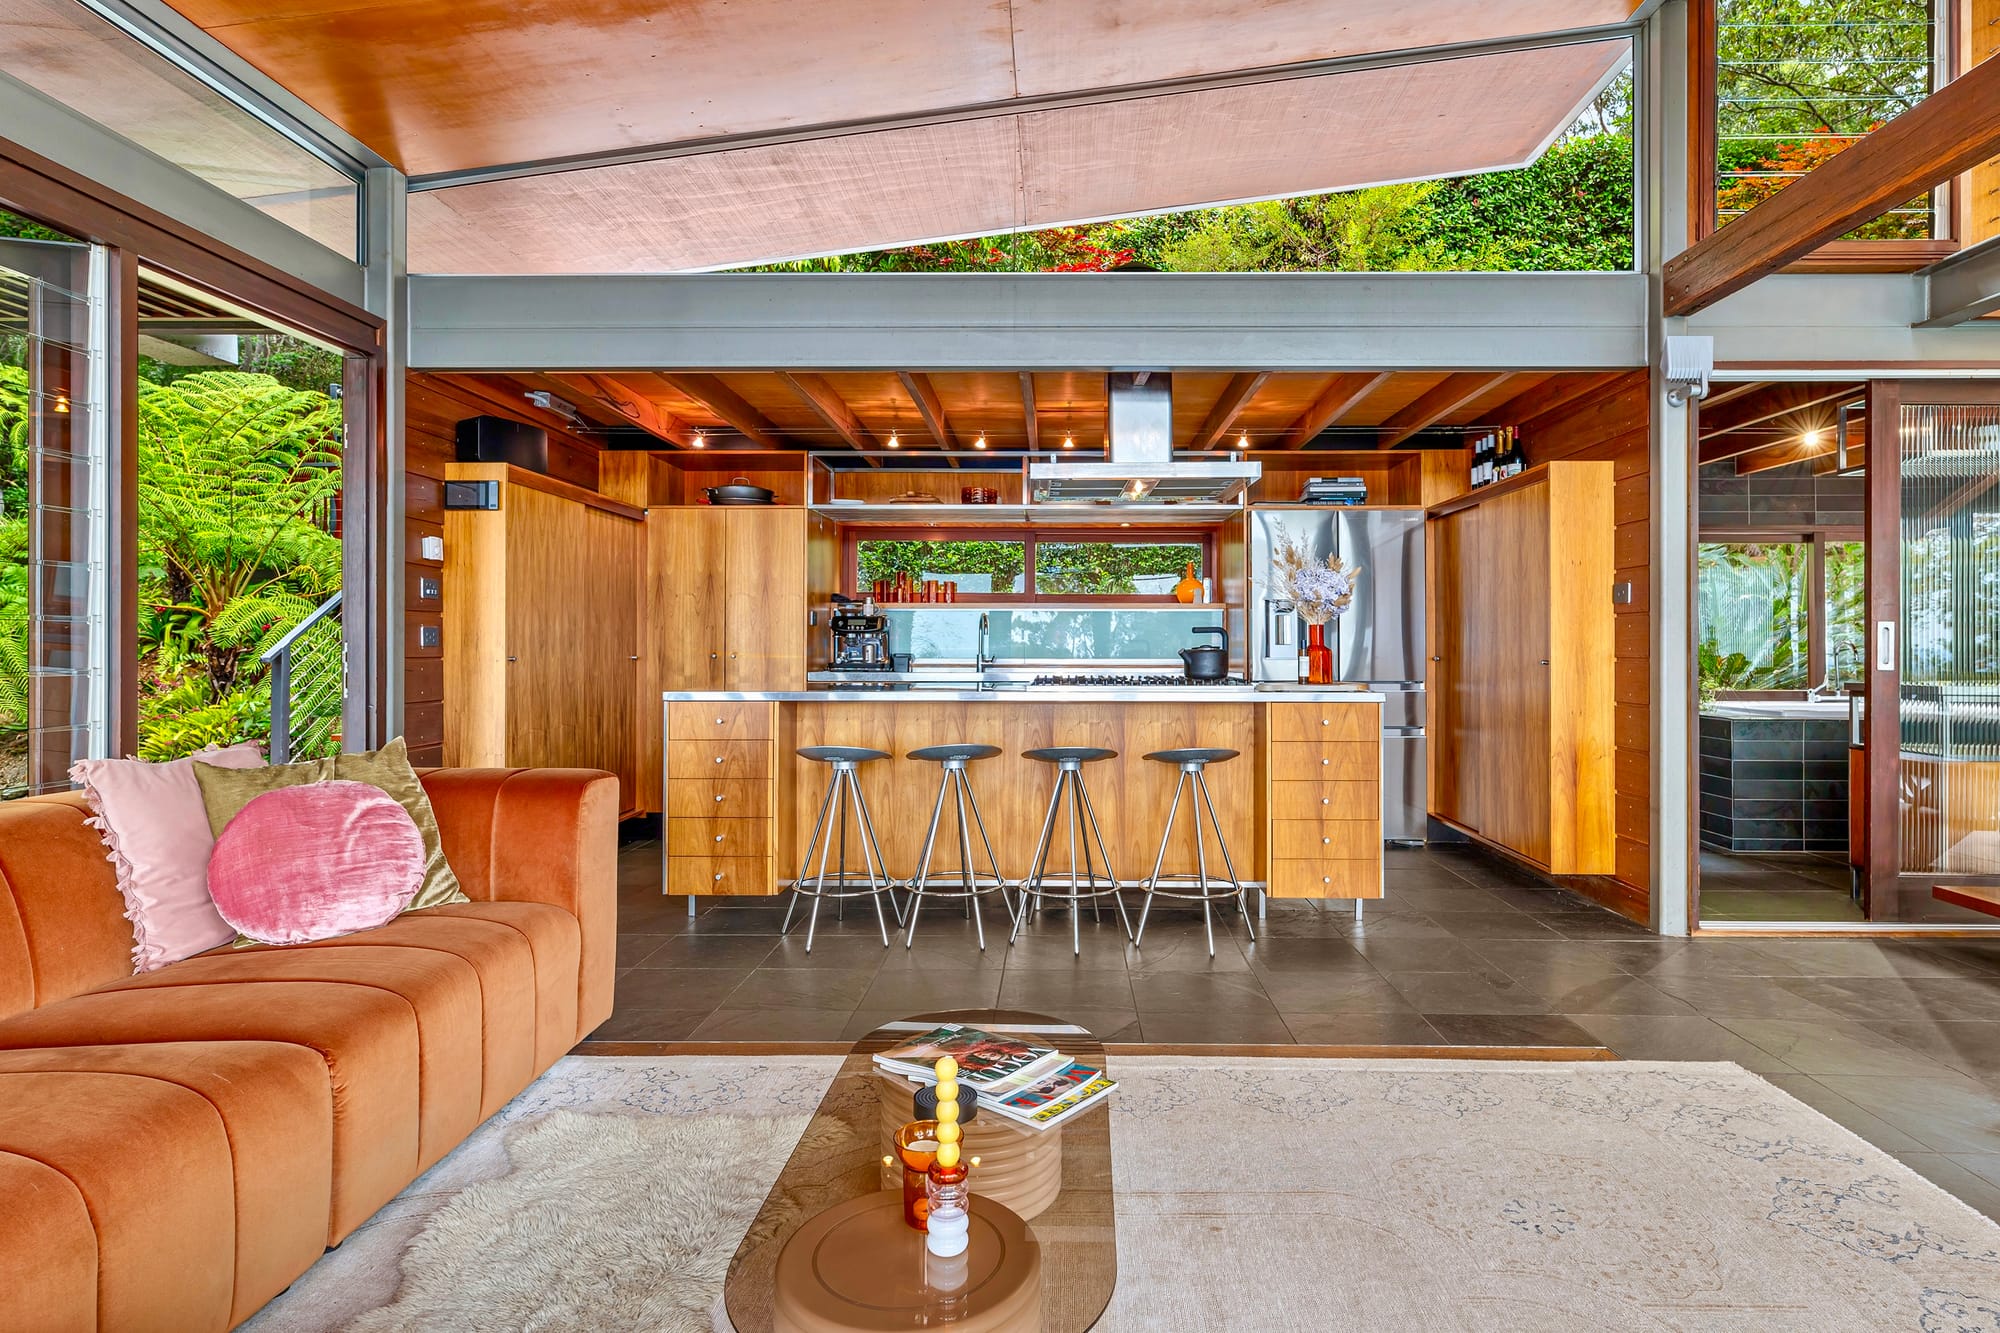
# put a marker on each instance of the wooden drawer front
(1326, 879)
(1325, 800)
(726, 721)
(718, 759)
(719, 837)
(1347, 761)
(718, 874)
(1332, 839)
(1318, 723)
(719, 798)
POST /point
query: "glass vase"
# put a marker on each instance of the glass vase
(916, 1148)
(1319, 657)
(947, 1224)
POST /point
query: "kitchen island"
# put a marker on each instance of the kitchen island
(1300, 808)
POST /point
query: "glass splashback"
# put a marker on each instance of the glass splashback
(932, 633)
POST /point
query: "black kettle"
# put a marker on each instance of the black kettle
(1205, 662)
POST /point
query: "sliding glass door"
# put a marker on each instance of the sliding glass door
(54, 441)
(1934, 648)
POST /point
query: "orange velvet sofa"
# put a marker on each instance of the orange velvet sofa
(176, 1148)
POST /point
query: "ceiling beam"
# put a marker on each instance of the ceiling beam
(931, 408)
(1953, 130)
(627, 404)
(1771, 403)
(1435, 404)
(1028, 410)
(1559, 391)
(725, 402)
(1342, 394)
(1236, 396)
(830, 407)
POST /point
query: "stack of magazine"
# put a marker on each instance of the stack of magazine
(1030, 1084)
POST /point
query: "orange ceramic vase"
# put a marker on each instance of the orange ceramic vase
(1189, 588)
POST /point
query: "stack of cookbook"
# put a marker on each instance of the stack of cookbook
(1024, 1081)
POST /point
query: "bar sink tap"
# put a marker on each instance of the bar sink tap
(984, 658)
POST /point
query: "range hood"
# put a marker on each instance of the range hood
(1142, 467)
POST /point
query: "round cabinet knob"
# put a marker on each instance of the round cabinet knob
(718, 837)
(1324, 879)
(718, 759)
(1324, 800)
(1326, 721)
(718, 800)
(732, 657)
(713, 656)
(1324, 762)
(718, 876)
(718, 721)
(1322, 842)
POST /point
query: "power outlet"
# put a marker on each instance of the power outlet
(432, 548)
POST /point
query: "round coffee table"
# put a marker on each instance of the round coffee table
(859, 1268)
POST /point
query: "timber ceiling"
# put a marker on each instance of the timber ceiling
(552, 136)
(1755, 427)
(1014, 410)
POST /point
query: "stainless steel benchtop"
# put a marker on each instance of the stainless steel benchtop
(1037, 694)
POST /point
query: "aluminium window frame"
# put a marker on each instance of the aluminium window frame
(1816, 537)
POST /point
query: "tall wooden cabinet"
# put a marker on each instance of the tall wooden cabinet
(728, 597)
(541, 627)
(1521, 686)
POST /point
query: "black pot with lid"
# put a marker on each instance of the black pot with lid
(1207, 662)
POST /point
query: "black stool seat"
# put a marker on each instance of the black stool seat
(1192, 756)
(937, 753)
(840, 754)
(1074, 754)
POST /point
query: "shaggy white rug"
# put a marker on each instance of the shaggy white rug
(1252, 1194)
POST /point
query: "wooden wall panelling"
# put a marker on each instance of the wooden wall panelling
(1580, 644)
(541, 629)
(880, 485)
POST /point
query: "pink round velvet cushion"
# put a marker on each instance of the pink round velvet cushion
(315, 861)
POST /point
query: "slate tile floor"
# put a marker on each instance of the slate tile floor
(1899, 1040)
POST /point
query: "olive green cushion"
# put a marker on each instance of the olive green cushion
(387, 769)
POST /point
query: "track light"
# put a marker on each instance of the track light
(700, 440)
(980, 443)
(894, 443)
(1069, 442)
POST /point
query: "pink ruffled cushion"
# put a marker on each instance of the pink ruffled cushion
(155, 832)
(315, 861)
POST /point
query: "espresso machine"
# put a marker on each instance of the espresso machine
(860, 637)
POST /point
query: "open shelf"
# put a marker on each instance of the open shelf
(1028, 515)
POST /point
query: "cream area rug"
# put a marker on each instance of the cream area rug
(1251, 1194)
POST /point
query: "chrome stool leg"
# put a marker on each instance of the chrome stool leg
(1086, 880)
(843, 805)
(973, 884)
(1205, 889)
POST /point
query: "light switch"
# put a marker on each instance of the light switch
(1621, 593)
(432, 548)
(428, 589)
(430, 636)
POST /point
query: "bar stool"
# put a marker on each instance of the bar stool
(1092, 883)
(1191, 762)
(841, 885)
(952, 761)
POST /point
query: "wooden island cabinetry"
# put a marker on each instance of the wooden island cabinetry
(1522, 655)
(1301, 807)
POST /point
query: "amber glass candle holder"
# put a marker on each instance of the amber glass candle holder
(916, 1148)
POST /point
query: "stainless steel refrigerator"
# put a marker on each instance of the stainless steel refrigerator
(1378, 643)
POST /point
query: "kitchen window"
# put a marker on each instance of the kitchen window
(1780, 614)
(1034, 567)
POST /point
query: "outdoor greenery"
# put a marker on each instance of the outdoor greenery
(1062, 568)
(232, 470)
(1797, 81)
(1753, 632)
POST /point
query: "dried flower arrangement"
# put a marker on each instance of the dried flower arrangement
(1320, 591)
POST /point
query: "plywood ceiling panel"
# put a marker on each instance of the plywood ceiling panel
(446, 85)
(891, 187)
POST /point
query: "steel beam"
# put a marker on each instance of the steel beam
(1033, 321)
(1964, 287)
(1839, 322)
(48, 128)
(373, 624)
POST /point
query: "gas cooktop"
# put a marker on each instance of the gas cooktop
(1130, 680)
